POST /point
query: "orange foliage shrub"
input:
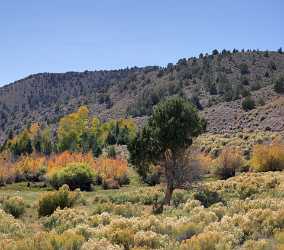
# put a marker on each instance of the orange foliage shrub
(62, 160)
(104, 167)
(228, 162)
(268, 157)
(29, 164)
(7, 170)
(30, 167)
(110, 168)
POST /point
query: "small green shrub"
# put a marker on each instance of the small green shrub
(248, 103)
(77, 175)
(14, 206)
(111, 152)
(207, 197)
(62, 198)
(153, 179)
(244, 68)
(279, 85)
(179, 197)
(123, 180)
(110, 184)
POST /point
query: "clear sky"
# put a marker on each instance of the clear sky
(77, 35)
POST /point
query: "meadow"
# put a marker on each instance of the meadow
(242, 212)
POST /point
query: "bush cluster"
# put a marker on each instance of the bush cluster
(229, 161)
(268, 157)
(14, 206)
(74, 175)
(62, 198)
(249, 216)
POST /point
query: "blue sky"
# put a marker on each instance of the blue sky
(72, 35)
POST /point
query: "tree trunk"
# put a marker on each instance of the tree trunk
(170, 168)
(169, 192)
(158, 208)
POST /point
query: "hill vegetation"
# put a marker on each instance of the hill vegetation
(190, 156)
(215, 83)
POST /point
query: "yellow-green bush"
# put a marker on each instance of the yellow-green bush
(66, 218)
(14, 206)
(268, 157)
(205, 241)
(48, 241)
(10, 227)
(123, 237)
(258, 245)
(102, 244)
(149, 240)
(75, 175)
(62, 198)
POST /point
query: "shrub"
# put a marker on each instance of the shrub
(48, 240)
(149, 240)
(227, 163)
(179, 197)
(248, 103)
(110, 184)
(244, 69)
(191, 204)
(64, 219)
(60, 161)
(272, 65)
(9, 226)
(111, 152)
(153, 179)
(30, 168)
(206, 241)
(127, 210)
(207, 197)
(14, 206)
(102, 244)
(50, 201)
(75, 175)
(124, 237)
(112, 169)
(7, 169)
(279, 85)
(258, 245)
(268, 157)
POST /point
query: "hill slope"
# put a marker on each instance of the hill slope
(215, 83)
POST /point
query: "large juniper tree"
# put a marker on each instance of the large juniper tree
(164, 139)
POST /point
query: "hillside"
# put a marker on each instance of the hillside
(215, 83)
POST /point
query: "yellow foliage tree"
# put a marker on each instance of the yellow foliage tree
(71, 129)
